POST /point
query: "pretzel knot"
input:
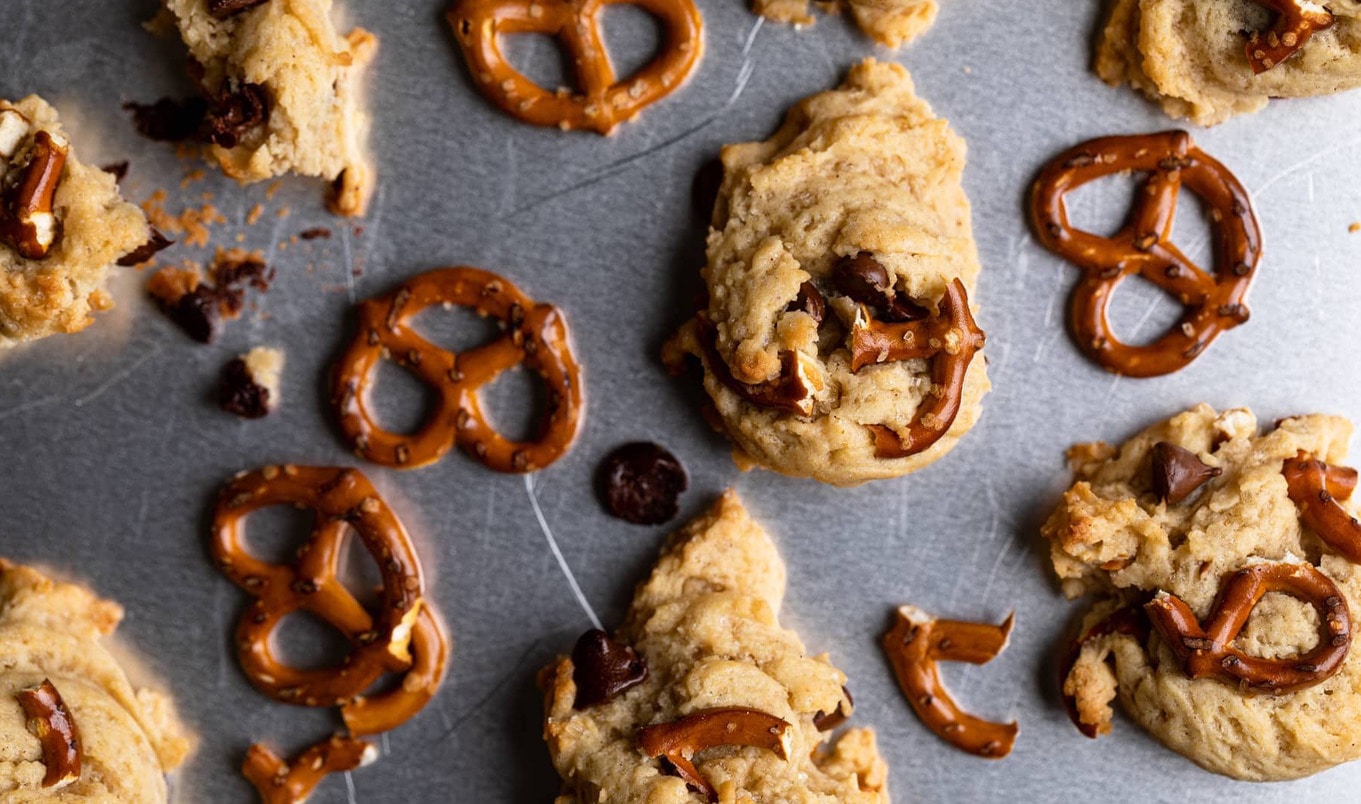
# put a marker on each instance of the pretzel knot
(1209, 651)
(1316, 487)
(602, 102)
(341, 500)
(1213, 302)
(1296, 21)
(535, 335)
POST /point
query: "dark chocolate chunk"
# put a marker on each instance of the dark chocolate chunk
(603, 668)
(862, 278)
(169, 120)
(809, 301)
(239, 393)
(222, 9)
(147, 250)
(198, 313)
(641, 483)
(234, 113)
(315, 232)
(118, 169)
(1177, 472)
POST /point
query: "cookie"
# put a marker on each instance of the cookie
(838, 339)
(892, 23)
(128, 738)
(1193, 56)
(1222, 620)
(702, 680)
(63, 225)
(283, 91)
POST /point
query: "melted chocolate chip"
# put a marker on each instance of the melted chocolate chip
(198, 313)
(118, 169)
(315, 232)
(147, 250)
(862, 278)
(1177, 472)
(641, 483)
(235, 113)
(239, 393)
(603, 668)
(809, 301)
(169, 120)
(222, 9)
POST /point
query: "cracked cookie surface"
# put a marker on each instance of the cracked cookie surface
(1188, 55)
(706, 624)
(1113, 537)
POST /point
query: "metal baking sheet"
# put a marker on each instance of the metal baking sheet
(112, 447)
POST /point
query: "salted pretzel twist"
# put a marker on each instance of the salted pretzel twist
(1315, 487)
(1296, 22)
(534, 334)
(915, 643)
(1213, 302)
(602, 102)
(341, 500)
(1208, 651)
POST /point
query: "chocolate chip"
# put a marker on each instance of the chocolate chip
(118, 169)
(603, 668)
(809, 301)
(198, 313)
(1176, 472)
(239, 393)
(862, 278)
(234, 113)
(169, 120)
(147, 250)
(824, 721)
(641, 483)
(315, 232)
(222, 9)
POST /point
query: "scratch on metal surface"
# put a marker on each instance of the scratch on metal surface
(25, 406)
(557, 554)
(506, 678)
(744, 74)
(117, 378)
(349, 788)
(1303, 163)
(348, 267)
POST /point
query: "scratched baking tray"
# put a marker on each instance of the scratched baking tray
(111, 448)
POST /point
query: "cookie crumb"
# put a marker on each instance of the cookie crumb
(249, 384)
(315, 232)
(1355, 227)
(197, 306)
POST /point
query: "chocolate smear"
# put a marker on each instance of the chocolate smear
(603, 668)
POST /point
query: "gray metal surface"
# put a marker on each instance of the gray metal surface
(112, 448)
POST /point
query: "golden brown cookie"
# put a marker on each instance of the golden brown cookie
(892, 23)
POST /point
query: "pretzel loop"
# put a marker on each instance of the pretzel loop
(1213, 303)
(535, 335)
(602, 102)
(1316, 487)
(340, 500)
(1208, 651)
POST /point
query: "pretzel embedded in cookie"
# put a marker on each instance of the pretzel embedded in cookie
(1316, 487)
(535, 335)
(602, 102)
(1296, 22)
(341, 500)
(1129, 621)
(680, 740)
(52, 724)
(1213, 302)
(915, 643)
(27, 221)
(1208, 650)
(280, 782)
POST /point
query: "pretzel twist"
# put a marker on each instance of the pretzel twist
(535, 335)
(1213, 303)
(340, 500)
(1316, 487)
(1208, 650)
(602, 102)
(915, 643)
(1296, 22)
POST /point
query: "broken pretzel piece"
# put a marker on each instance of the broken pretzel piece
(1296, 22)
(280, 782)
(679, 741)
(27, 221)
(1315, 487)
(52, 724)
(915, 643)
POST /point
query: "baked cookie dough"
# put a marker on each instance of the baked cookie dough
(282, 87)
(703, 634)
(1188, 508)
(889, 22)
(1190, 56)
(55, 257)
(129, 738)
(858, 197)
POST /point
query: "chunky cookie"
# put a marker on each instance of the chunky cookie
(62, 227)
(702, 693)
(889, 22)
(1208, 60)
(71, 726)
(282, 88)
(838, 338)
(1224, 567)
